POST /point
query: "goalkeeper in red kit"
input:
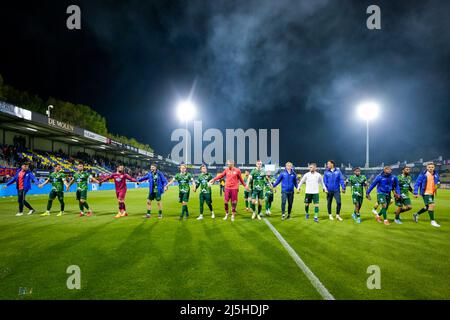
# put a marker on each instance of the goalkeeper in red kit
(232, 178)
(120, 179)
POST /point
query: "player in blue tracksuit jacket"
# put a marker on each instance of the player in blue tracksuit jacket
(288, 180)
(427, 182)
(156, 184)
(23, 179)
(334, 181)
(386, 183)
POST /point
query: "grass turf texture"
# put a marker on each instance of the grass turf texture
(136, 258)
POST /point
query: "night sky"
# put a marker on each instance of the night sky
(300, 66)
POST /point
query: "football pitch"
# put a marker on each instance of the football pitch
(137, 258)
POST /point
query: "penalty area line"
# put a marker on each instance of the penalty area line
(308, 273)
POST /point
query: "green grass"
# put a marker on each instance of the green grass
(134, 258)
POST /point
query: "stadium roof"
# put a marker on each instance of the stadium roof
(20, 120)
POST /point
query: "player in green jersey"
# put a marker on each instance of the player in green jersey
(403, 203)
(82, 179)
(205, 191)
(357, 182)
(58, 180)
(257, 180)
(183, 178)
(247, 194)
(268, 192)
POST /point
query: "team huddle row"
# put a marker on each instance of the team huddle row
(259, 187)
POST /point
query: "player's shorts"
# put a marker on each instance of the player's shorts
(383, 198)
(400, 202)
(257, 194)
(81, 194)
(205, 197)
(357, 200)
(155, 195)
(183, 196)
(312, 197)
(269, 196)
(428, 199)
(53, 194)
(231, 194)
(247, 194)
(120, 194)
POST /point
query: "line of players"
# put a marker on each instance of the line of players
(259, 186)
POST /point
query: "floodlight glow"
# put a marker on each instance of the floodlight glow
(368, 110)
(185, 110)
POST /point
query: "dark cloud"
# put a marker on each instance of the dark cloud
(301, 66)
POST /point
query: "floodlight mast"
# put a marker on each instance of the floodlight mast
(368, 111)
(186, 112)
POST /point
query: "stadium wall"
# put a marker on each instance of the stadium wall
(12, 191)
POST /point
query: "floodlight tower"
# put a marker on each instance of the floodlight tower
(368, 111)
(186, 111)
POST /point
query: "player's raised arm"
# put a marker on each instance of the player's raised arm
(44, 183)
(324, 187)
(12, 180)
(94, 180)
(372, 185)
(144, 178)
(169, 183)
(218, 177)
(302, 181)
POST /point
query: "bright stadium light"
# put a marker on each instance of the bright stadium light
(368, 111)
(186, 111)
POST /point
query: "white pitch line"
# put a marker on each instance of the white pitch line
(309, 274)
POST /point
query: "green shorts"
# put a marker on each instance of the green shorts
(428, 199)
(53, 194)
(154, 196)
(205, 197)
(247, 194)
(312, 197)
(383, 198)
(357, 200)
(81, 194)
(183, 196)
(258, 194)
(400, 202)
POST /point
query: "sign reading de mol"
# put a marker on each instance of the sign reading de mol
(60, 125)
(15, 111)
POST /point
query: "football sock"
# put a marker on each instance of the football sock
(86, 205)
(210, 206)
(81, 206)
(49, 204)
(383, 212)
(259, 208)
(422, 210)
(316, 212)
(431, 214)
(226, 208)
(233, 207)
(252, 206)
(246, 203)
(307, 209)
(149, 211)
